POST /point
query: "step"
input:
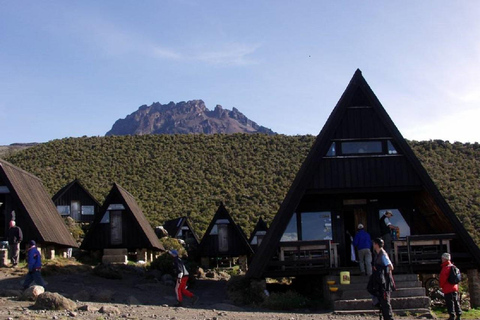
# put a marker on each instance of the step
(416, 312)
(360, 286)
(113, 252)
(397, 303)
(120, 259)
(364, 279)
(400, 292)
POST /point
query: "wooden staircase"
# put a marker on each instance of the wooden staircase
(409, 298)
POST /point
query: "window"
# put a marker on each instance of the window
(106, 217)
(291, 233)
(313, 226)
(397, 220)
(316, 226)
(64, 210)
(331, 151)
(88, 210)
(361, 147)
(391, 148)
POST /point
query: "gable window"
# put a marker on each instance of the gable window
(397, 220)
(348, 148)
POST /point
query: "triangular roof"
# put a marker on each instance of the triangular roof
(70, 185)
(241, 247)
(144, 230)
(315, 171)
(174, 226)
(260, 226)
(36, 207)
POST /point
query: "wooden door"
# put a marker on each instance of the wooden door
(116, 229)
(75, 213)
(222, 238)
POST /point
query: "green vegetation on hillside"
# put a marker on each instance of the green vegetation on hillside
(175, 175)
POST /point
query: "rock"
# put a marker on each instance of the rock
(84, 308)
(200, 272)
(109, 310)
(54, 301)
(131, 300)
(103, 296)
(210, 274)
(31, 293)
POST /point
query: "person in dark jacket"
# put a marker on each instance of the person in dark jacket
(363, 242)
(382, 278)
(386, 228)
(15, 237)
(182, 278)
(34, 260)
(450, 291)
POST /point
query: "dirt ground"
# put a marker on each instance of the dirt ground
(136, 297)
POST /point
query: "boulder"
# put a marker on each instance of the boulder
(109, 310)
(31, 293)
(54, 301)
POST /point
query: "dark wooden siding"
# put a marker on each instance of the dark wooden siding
(77, 193)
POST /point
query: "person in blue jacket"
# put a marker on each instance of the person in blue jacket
(34, 260)
(363, 243)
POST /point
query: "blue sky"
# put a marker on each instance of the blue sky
(72, 68)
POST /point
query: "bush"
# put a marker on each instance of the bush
(286, 301)
(245, 291)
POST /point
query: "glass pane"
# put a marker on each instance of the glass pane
(63, 210)
(316, 226)
(290, 233)
(397, 220)
(88, 210)
(331, 152)
(391, 148)
(106, 217)
(361, 147)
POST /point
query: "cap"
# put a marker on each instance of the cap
(389, 212)
(379, 242)
(32, 242)
(360, 226)
(446, 256)
(173, 253)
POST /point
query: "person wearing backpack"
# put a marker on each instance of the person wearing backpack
(450, 290)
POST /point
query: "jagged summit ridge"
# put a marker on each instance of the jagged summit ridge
(184, 117)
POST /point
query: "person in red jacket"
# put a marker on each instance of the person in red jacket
(449, 290)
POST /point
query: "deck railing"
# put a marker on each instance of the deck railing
(422, 249)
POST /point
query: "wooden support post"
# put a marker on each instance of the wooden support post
(474, 287)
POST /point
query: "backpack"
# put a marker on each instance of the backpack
(454, 277)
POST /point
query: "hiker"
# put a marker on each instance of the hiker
(363, 243)
(386, 228)
(382, 278)
(450, 290)
(15, 237)
(34, 260)
(182, 278)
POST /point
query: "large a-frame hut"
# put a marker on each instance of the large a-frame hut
(223, 242)
(258, 233)
(358, 167)
(34, 211)
(74, 201)
(181, 228)
(121, 229)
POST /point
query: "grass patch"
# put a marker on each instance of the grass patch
(441, 312)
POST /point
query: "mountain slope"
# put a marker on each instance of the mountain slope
(176, 175)
(184, 117)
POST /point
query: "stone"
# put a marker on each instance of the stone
(109, 310)
(54, 301)
(31, 293)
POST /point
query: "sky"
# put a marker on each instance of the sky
(72, 68)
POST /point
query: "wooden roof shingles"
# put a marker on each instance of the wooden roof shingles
(36, 206)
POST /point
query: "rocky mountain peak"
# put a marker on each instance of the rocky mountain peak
(185, 117)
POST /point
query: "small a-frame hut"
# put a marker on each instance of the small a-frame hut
(121, 228)
(258, 234)
(35, 213)
(181, 228)
(223, 242)
(74, 200)
(358, 167)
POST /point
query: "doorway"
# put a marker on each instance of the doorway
(116, 229)
(352, 217)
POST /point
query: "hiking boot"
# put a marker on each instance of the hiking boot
(178, 304)
(195, 299)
